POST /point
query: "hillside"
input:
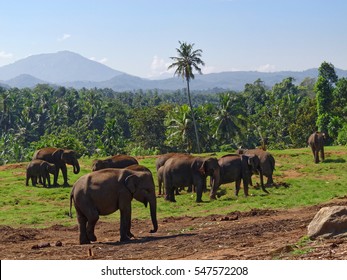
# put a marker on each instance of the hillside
(73, 70)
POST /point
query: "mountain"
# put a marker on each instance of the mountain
(59, 67)
(23, 81)
(73, 70)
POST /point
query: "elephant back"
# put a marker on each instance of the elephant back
(45, 154)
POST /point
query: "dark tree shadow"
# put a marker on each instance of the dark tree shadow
(335, 160)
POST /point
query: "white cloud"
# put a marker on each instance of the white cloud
(64, 37)
(5, 55)
(102, 60)
(159, 68)
(266, 68)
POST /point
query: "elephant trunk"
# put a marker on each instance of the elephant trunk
(76, 167)
(153, 210)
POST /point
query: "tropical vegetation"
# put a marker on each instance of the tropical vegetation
(102, 122)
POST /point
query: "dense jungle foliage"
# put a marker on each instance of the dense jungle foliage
(101, 122)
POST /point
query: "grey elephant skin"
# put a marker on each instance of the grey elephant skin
(117, 161)
(39, 168)
(187, 171)
(237, 168)
(108, 190)
(59, 158)
(160, 161)
(159, 164)
(316, 142)
(267, 162)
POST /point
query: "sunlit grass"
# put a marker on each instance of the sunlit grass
(308, 184)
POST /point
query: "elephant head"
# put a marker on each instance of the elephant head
(251, 165)
(210, 167)
(68, 157)
(141, 186)
(51, 168)
(98, 164)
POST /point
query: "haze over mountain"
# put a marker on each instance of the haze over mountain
(73, 70)
(60, 67)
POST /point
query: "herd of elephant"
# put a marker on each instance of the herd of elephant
(115, 181)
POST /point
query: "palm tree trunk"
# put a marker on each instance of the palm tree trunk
(193, 117)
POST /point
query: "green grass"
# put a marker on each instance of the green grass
(308, 184)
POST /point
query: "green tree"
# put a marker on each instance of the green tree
(229, 118)
(147, 127)
(324, 94)
(188, 60)
(179, 129)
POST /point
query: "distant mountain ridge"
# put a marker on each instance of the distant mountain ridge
(69, 69)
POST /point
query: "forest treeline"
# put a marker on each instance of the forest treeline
(101, 122)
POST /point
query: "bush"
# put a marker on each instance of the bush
(342, 136)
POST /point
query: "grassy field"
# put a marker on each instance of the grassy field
(300, 183)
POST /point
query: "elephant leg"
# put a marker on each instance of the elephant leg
(55, 181)
(49, 180)
(27, 180)
(237, 186)
(82, 225)
(172, 194)
(92, 217)
(245, 188)
(40, 180)
(33, 180)
(64, 171)
(125, 223)
(199, 189)
(44, 181)
(269, 181)
(322, 153)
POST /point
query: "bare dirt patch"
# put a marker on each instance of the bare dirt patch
(257, 234)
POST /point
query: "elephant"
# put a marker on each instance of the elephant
(160, 162)
(160, 173)
(316, 142)
(267, 162)
(163, 158)
(234, 168)
(59, 157)
(117, 161)
(187, 171)
(105, 191)
(39, 168)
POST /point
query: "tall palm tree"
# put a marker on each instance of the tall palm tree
(188, 60)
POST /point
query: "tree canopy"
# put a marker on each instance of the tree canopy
(101, 122)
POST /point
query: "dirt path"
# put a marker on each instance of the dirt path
(258, 234)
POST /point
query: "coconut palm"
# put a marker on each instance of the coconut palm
(188, 60)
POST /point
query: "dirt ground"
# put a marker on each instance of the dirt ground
(255, 235)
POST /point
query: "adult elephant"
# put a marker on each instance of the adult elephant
(267, 162)
(117, 161)
(316, 142)
(237, 168)
(59, 157)
(163, 158)
(187, 171)
(106, 191)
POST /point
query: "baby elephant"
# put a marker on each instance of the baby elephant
(39, 168)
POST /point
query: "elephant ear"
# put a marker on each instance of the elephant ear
(131, 182)
(58, 154)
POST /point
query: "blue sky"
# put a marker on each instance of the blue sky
(139, 36)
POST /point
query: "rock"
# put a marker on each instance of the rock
(329, 221)
(58, 243)
(41, 245)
